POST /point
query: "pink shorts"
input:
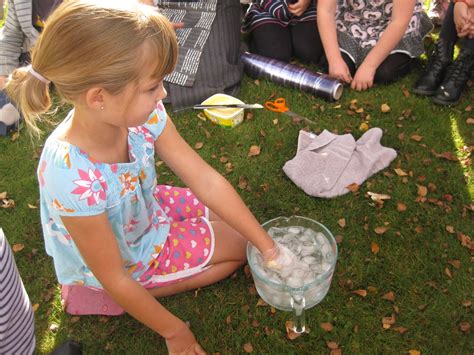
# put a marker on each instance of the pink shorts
(190, 243)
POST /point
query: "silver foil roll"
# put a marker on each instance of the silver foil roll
(321, 85)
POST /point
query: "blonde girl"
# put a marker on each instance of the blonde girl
(106, 222)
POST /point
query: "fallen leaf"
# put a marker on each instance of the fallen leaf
(389, 296)
(342, 222)
(413, 352)
(422, 190)
(400, 172)
(290, 333)
(416, 137)
(363, 127)
(379, 198)
(257, 82)
(385, 108)
(261, 303)
(198, 145)
(387, 322)
(405, 92)
(228, 319)
(33, 207)
(470, 120)
(446, 155)
(253, 151)
(326, 326)
(248, 115)
(466, 303)
(338, 239)
(361, 293)
(401, 330)
(374, 247)
(247, 271)
(380, 230)
(353, 187)
(455, 263)
(401, 207)
(332, 345)
(75, 319)
(450, 229)
(335, 352)
(464, 327)
(53, 327)
(243, 182)
(248, 348)
(448, 273)
(263, 133)
(468, 108)
(18, 247)
(15, 136)
(35, 307)
(3, 195)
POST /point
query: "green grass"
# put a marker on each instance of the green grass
(414, 252)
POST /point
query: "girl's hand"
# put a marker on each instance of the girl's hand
(364, 78)
(183, 342)
(461, 18)
(279, 257)
(338, 69)
(299, 7)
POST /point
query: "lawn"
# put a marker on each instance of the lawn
(403, 288)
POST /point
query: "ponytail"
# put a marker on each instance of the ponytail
(30, 92)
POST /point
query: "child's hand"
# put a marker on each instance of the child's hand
(299, 7)
(461, 18)
(338, 69)
(183, 342)
(364, 78)
(279, 257)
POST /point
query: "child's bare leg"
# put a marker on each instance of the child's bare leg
(229, 255)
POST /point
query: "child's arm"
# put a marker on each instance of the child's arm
(401, 15)
(463, 18)
(209, 186)
(326, 14)
(96, 242)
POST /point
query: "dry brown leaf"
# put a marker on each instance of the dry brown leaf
(375, 248)
(290, 333)
(15, 136)
(455, 263)
(332, 345)
(335, 352)
(401, 207)
(470, 120)
(338, 239)
(361, 293)
(379, 198)
(75, 319)
(387, 322)
(400, 172)
(364, 126)
(450, 229)
(243, 182)
(413, 352)
(253, 151)
(353, 187)
(405, 92)
(248, 348)
(448, 273)
(464, 327)
(422, 190)
(247, 271)
(18, 247)
(33, 207)
(198, 145)
(342, 222)
(228, 319)
(261, 303)
(380, 230)
(35, 307)
(385, 108)
(326, 326)
(446, 155)
(389, 296)
(3, 195)
(466, 303)
(401, 330)
(416, 137)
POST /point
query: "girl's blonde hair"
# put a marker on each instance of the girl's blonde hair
(88, 43)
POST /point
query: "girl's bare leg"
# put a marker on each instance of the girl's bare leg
(229, 255)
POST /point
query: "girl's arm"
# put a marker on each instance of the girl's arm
(209, 186)
(401, 15)
(326, 20)
(96, 242)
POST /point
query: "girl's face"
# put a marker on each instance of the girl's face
(134, 104)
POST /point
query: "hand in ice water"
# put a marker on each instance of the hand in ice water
(279, 257)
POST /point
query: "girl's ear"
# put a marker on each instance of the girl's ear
(95, 98)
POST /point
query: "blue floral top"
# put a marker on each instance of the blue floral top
(72, 183)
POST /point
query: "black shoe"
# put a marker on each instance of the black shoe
(440, 59)
(69, 347)
(457, 76)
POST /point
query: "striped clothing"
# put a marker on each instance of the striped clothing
(262, 12)
(17, 36)
(17, 332)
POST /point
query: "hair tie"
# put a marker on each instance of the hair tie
(38, 75)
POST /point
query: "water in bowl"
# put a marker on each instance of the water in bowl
(311, 275)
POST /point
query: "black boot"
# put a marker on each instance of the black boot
(440, 59)
(457, 76)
